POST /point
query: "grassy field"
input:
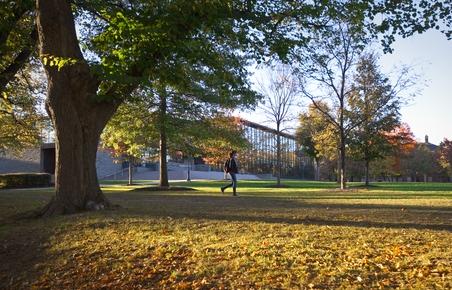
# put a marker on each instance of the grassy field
(308, 235)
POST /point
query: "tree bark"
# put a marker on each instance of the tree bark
(78, 119)
(163, 142)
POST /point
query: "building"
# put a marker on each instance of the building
(259, 159)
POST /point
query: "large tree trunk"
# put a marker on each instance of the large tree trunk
(78, 119)
(163, 142)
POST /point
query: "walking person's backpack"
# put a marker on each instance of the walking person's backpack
(227, 167)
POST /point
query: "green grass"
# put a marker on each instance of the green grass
(308, 235)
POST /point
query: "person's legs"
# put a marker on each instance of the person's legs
(234, 184)
(229, 185)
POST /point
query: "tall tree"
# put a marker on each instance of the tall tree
(328, 64)
(375, 105)
(280, 92)
(192, 130)
(127, 44)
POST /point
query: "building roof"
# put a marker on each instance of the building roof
(265, 128)
(430, 146)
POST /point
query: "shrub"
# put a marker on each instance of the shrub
(23, 180)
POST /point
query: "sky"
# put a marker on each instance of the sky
(430, 111)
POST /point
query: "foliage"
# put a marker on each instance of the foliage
(403, 143)
(17, 38)
(375, 107)
(375, 104)
(200, 48)
(421, 163)
(218, 136)
(130, 131)
(133, 131)
(21, 85)
(406, 18)
(325, 72)
(304, 236)
(317, 136)
(445, 155)
(21, 110)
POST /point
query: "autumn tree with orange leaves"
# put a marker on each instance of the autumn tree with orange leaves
(403, 143)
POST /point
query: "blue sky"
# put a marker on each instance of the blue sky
(430, 112)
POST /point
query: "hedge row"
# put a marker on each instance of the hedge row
(23, 180)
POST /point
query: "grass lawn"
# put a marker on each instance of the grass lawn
(307, 235)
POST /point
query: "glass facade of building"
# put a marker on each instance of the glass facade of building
(260, 157)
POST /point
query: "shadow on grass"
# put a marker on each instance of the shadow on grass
(289, 211)
(23, 254)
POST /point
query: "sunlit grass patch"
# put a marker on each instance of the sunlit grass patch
(308, 235)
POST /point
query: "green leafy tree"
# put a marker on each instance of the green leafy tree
(406, 18)
(145, 43)
(22, 115)
(189, 128)
(21, 110)
(316, 136)
(374, 105)
(129, 133)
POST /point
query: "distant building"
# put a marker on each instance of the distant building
(42, 159)
(27, 161)
(259, 159)
(425, 168)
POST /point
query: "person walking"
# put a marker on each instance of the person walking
(232, 169)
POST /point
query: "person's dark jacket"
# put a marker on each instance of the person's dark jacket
(233, 168)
